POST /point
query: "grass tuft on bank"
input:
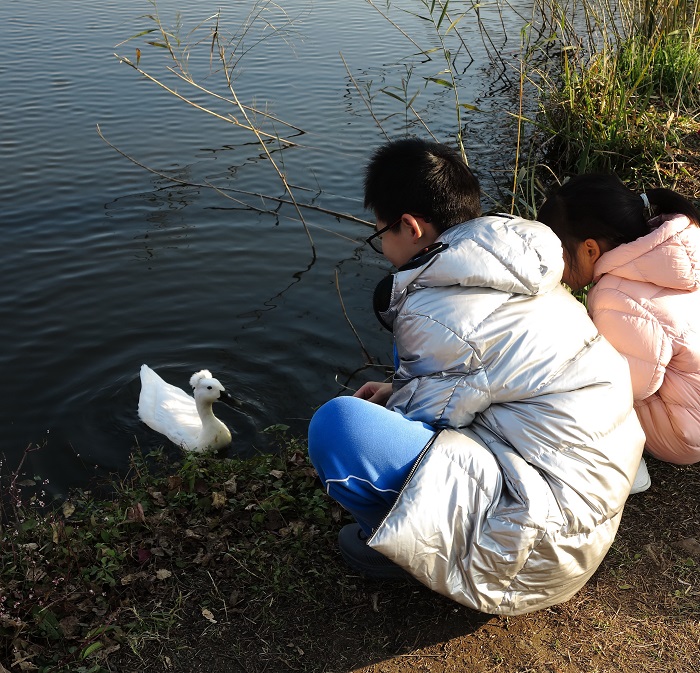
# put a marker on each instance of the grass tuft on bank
(620, 88)
(92, 575)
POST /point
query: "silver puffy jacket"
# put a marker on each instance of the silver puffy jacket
(516, 501)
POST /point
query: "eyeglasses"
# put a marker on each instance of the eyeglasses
(375, 241)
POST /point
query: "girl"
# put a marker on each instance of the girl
(642, 254)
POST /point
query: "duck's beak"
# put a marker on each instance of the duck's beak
(228, 400)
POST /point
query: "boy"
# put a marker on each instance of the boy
(495, 467)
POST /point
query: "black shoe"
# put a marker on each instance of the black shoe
(355, 552)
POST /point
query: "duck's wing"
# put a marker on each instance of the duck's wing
(168, 409)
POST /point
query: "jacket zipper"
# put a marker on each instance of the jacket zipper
(417, 462)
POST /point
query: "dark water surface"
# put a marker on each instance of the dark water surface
(106, 266)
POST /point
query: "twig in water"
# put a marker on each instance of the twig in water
(258, 134)
(354, 331)
(401, 30)
(367, 105)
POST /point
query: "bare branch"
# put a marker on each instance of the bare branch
(352, 327)
(224, 191)
(228, 119)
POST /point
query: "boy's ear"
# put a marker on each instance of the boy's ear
(420, 230)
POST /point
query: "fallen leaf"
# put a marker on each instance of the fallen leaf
(218, 499)
(70, 627)
(202, 558)
(143, 555)
(297, 458)
(129, 579)
(689, 545)
(136, 513)
(24, 663)
(12, 623)
(157, 497)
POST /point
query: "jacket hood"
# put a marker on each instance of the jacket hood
(500, 252)
(668, 256)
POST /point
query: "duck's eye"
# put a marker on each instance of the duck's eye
(208, 387)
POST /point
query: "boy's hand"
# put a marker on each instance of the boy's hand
(374, 391)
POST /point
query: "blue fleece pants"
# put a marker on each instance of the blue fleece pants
(363, 454)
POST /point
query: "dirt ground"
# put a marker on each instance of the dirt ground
(640, 612)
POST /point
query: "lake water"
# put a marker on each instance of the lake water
(106, 265)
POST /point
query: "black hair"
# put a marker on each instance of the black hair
(422, 178)
(601, 207)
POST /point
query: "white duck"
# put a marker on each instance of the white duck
(187, 422)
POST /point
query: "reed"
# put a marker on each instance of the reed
(619, 84)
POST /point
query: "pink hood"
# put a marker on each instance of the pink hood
(669, 256)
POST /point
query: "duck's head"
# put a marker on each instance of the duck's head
(208, 389)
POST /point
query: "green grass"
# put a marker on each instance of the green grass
(619, 94)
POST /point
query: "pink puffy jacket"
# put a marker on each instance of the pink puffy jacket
(646, 302)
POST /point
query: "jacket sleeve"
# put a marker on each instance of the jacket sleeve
(636, 334)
